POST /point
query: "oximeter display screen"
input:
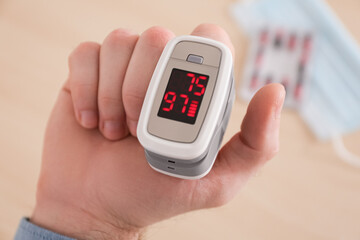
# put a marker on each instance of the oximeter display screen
(183, 96)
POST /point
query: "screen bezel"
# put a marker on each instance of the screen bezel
(171, 129)
(186, 106)
(222, 59)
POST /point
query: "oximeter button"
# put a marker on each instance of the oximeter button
(195, 59)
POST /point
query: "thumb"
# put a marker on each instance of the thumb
(248, 150)
(260, 127)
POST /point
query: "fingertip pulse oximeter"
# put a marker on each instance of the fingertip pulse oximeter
(187, 107)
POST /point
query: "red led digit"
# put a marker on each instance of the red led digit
(192, 81)
(185, 102)
(171, 101)
(200, 93)
(183, 96)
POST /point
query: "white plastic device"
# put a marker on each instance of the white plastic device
(187, 107)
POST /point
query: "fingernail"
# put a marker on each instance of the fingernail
(88, 119)
(132, 126)
(112, 128)
(279, 104)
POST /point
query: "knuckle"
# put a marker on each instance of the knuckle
(83, 50)
(110, 108)
(132, 104)
(261, 154)
(84, 94)
(216, 32)
(210, 27)
(121, 36)
(109, 101)
(133, 97)
(265, 155)
(82, 86)
(157, 36)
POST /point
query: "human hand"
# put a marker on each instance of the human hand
(95, 181)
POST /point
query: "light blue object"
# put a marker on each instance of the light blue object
(331, 105)
(29, 231)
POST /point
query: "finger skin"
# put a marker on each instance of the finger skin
(115, 55)
(248, 150)
(83, 82)
(90, 183)
(214, 32)
(262, 119)
(141, 67)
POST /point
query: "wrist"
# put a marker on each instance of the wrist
(79, 223)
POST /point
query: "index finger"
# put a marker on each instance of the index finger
(214, 32)
(141, 67)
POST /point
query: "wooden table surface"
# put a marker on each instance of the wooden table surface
(306, 192)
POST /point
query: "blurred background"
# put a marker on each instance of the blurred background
(305, 192)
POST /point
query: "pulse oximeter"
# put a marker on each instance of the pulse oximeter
(187, 107)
